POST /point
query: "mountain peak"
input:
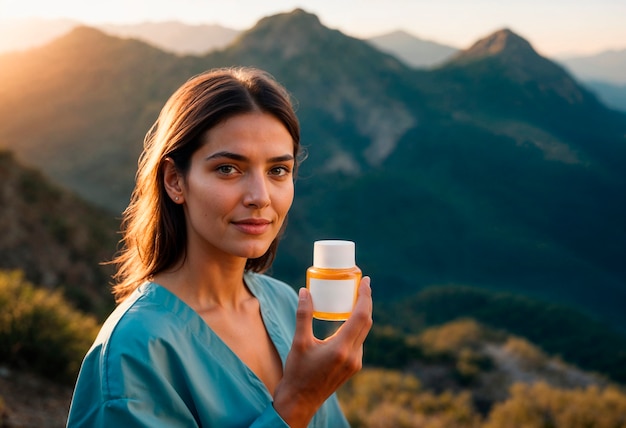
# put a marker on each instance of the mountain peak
(284, 34)
(502, 43)
(296, 19)
(504, 56)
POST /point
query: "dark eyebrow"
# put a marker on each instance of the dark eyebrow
(238, 157)
(229, 155)
(283, 158)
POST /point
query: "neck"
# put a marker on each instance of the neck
(207, 285)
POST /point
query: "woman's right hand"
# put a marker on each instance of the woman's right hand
(316, 368)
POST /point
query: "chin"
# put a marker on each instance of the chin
(256, 251)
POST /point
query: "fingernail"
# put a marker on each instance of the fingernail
(302, 294)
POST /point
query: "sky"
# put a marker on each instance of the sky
(553, 27)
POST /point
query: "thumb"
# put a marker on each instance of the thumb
(304, 315)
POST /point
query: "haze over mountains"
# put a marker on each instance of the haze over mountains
(414, 51)
(496, 170)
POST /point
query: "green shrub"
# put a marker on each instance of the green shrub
(542, 406)
(532, 357)
(389, 398)
(458, 343)
(453, 337)
(40, 331)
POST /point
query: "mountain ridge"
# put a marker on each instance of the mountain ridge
(605, 66)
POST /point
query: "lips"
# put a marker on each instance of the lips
(252, 226)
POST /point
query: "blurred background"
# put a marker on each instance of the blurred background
(474, 153)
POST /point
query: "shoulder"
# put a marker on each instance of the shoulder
(144, 315)
(151, 325)
(134, 362)
(146, 333)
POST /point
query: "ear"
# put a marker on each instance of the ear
(173, 181)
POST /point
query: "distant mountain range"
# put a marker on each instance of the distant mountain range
(608, 66)
(172, 36)
(177, 37)
(414, 51)
(604, 72)
(496, 169)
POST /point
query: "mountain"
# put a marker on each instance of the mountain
(176, 37)
(502, 85)
(94, 103)
(503, 43)
(366, 104)
(538, 92)
(496, 170)
(414, 51)
(608, 66)
(57, 239)
(601, 73)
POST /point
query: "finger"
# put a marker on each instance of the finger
(364, 308)
(364, 302)
(304, 318)
(358, 325)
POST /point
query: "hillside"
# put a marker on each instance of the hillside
(57, 239)
(496, 170)
(553, 327)
(97, 99)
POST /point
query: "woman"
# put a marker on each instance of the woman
(201, 337)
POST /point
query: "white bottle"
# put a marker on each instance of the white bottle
(333, 279)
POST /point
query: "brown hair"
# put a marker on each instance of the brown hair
(153, 227)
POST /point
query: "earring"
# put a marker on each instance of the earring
(176, 198)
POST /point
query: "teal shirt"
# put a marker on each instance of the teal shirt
(156, 363)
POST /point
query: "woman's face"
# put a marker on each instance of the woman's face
(239, 187)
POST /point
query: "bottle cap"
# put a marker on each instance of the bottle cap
(334, 254)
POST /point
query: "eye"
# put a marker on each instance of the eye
(280, 171)
(226, 169)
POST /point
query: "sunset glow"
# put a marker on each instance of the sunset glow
(555, 27)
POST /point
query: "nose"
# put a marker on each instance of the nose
(257, 193)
